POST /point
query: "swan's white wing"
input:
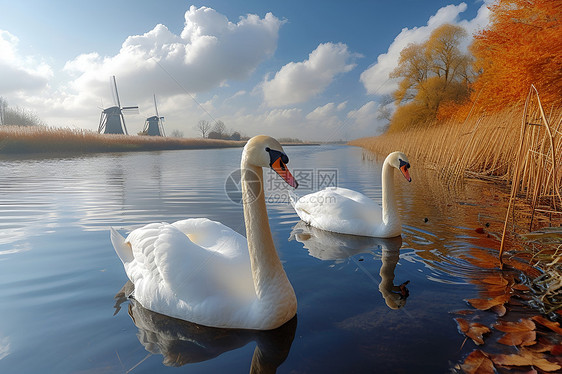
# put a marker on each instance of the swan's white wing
(177, 277)
(340, 210)
(214, 236)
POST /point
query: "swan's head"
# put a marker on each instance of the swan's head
(400, 161)
(264, 151)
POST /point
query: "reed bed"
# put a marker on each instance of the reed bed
(520, 148)
(39, 139)
(522, 145)
(484, 146)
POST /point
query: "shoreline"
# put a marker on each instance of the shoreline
(17, 140)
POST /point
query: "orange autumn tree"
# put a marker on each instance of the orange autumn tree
(433, 74)
(521, 46)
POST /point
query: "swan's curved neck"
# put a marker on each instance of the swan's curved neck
(389, 207)
(267, 271)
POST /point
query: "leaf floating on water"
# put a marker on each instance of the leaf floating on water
(554, 326)
(521, 326)
(500, 310)
(495, 280)
(477, 362)
(526, 358)
(485, 304)
(522, 338)
(520, 333)
(473, 330)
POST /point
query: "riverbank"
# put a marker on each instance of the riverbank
(38, 139)
(16, 140)
(519, 149)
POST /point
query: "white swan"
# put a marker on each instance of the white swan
(204, 272)
(349, 212)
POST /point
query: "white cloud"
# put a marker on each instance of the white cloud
(376, 78)
(20, 73)
(209, 51)
(366, 116)
(297, 82)
(328, 122)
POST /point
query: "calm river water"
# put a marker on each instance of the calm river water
(59, 274)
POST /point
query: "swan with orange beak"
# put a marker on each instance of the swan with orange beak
(345, 211)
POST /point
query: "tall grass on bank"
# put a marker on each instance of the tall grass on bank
(536, 174)
(484, 146)
(521, 148)
(520, 144)
(40, 139)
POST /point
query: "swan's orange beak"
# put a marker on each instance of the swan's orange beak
(405, 172)
(280, 168)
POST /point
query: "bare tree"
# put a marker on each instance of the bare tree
(177, 134)
(204, 126)
(220, 128)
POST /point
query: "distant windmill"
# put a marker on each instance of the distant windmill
(112, 120)
(154, 126)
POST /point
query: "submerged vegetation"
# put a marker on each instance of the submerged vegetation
(40, 139)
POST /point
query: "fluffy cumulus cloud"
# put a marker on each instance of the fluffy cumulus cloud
(376, 78)
(209, 51)
(20, 73)
(297, 82)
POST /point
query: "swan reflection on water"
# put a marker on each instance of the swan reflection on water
(331, 246)
(181, 342)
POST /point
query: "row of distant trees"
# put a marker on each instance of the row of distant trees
(217, 131)
(17, 116)
(521, 46)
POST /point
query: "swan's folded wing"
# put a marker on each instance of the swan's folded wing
(339, 210)
(206, 258)
(354, 195)
(215, 236)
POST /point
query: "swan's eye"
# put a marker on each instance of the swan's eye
(404, 164)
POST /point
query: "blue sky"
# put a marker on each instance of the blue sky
(316, 70)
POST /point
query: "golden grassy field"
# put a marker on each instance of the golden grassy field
(39, 139)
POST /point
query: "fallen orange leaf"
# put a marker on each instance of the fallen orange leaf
(500, 310)
(473, 330)
(521, 326)
(554, 326)
(477, 362)
(485, 304)
(495, 280)
(526, 358)
(522, 338)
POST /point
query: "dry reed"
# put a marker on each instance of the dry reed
(39, 139)
(521, 148)
(483, 146)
